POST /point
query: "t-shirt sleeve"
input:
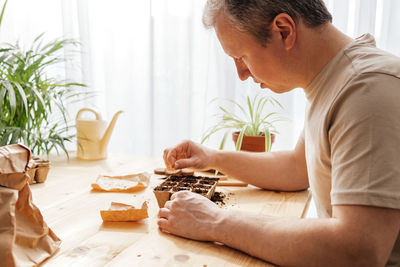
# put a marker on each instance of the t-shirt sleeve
(365, 142)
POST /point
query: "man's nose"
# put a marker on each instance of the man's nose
(242, 70)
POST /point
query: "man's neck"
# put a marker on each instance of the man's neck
(322, 46)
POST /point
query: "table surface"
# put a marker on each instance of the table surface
(72, 210)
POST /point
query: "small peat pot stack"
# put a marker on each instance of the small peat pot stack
(204, 186)
(38, 170)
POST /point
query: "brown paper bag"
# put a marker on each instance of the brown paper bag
(25, 239)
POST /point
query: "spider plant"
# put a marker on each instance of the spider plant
(32, 102)
(252, 121)
(2, 11)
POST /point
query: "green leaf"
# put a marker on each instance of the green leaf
(2, 12)
(240, 107)
(23, 96)
(227, 115)
(222, 145)
(269, 115)
(277, 102)
(38, 38)
(2, 50)
(11, 96)
(212, 131)
(262, 105)
(240, 138)
(250, 108)
(2, 96)
(267, 140)
(259, 106)
(35, 91)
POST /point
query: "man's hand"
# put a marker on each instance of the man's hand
(188, 154)
(190, 215)
(355, 236)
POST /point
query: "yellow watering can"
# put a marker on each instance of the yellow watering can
(93, 135)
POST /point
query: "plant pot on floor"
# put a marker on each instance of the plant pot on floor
(43, 167)
(252, 143)
(31, 173)
(38, 170)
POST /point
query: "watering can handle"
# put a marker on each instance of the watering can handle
(98, 116)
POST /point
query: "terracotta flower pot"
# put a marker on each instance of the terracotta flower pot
(252, 143)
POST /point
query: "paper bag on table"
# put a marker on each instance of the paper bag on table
(25, 239)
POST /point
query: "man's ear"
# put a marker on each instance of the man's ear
(285, 27)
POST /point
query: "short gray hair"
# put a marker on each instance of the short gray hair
(256, 16)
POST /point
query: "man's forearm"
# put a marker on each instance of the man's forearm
(265, 170)
(292, 242)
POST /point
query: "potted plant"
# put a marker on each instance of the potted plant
(253, 130)
(32, 102)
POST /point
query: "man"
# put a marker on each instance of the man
(348, 153)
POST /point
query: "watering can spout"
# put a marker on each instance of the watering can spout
(106, 137)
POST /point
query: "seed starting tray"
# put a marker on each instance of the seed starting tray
(204, 186)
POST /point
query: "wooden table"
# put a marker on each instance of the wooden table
(72, 210)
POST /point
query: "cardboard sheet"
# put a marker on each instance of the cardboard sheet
(123, 184)
(119, 212)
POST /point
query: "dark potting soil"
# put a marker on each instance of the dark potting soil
(197, 184)
(218, 198)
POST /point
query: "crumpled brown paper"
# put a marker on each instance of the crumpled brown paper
(14, 162)
(123, 184)
(25, 239)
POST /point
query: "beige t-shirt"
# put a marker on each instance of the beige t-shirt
(352, 131)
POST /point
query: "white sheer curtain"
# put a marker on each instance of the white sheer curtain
(154, 60)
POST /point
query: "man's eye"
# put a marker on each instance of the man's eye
(240, 59)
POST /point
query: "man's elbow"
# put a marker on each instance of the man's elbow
(367, 256)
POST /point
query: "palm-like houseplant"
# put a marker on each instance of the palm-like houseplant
(252, 121)
(32, 103)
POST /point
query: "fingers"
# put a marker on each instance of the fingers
(166, 160)
(165, 157)
(163, 221)
(184, 163)
(171, 155)
(176, 195)
(167, 204)
(163, 224)
(163, 213)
